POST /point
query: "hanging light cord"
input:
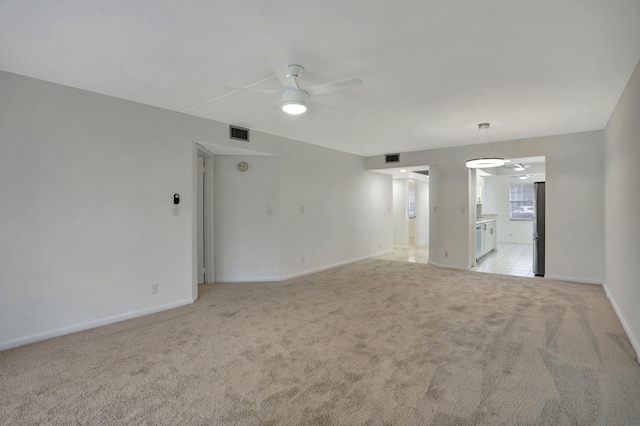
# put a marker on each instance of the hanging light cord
(485, 126)
(482, 162)
(490, 143)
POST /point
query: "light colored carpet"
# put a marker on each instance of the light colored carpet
(374, 342)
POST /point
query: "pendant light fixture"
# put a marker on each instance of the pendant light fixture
(485, 162)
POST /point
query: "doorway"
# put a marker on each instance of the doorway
(411, 215)
(204, 216)
(504, 213)
(200, 221)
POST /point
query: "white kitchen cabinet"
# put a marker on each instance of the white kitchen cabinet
(489, 240)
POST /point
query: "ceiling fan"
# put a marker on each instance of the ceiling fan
(294, 98)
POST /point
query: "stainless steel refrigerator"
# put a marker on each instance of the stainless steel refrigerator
(538, 228)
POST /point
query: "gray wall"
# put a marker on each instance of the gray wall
(400, 219)
(622, 214)
(86, 218)
(497, 202)
(575, 196)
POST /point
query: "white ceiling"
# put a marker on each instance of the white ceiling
(432, 70)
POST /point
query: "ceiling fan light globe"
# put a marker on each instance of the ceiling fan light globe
(294, 107)
(293, 101)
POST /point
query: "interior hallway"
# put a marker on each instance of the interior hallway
(412, 254)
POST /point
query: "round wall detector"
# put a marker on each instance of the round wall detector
(243, 166)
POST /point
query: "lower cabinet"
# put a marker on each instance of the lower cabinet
(489, 240)
(491, 228)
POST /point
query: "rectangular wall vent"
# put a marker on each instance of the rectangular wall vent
(392, 158)
(239, 133)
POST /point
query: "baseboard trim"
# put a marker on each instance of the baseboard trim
(297, 274)
(634, 343)
(457, 268)
(247, 279)
(90, 324)
(323, 268)
(573, 279)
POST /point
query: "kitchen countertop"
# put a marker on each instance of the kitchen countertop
(484, 221)
(488, 217)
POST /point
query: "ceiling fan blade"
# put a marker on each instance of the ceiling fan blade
(330, 87)
(281, 68)
(316, 103)
(252, 89)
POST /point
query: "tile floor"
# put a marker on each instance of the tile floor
(412, 254)
(509, 259)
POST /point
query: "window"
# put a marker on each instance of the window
(412, 201)
(521, 201)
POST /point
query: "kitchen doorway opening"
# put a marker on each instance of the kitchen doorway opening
(504, 217)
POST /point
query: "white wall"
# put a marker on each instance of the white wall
(400, 212)
(622, 224)
(247, 206)
(496, 189)
(347, 210)
(423, 212)
(434, 225)
(574, 170)
(86, 224)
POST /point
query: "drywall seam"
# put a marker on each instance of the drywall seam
(634, 342)
(90, 324)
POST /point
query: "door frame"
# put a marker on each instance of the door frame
(209, 252)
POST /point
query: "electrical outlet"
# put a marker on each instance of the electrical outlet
(380, 245)
(446, 254)
(154, 288)
(302, 259)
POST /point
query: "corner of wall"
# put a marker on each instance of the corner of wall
(635, 342)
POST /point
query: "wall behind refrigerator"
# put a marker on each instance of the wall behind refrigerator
(496, 201)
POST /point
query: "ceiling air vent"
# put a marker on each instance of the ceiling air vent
(392, 158)
(239, 133)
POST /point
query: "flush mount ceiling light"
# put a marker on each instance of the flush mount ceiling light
(485, 162)
(293, 101)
